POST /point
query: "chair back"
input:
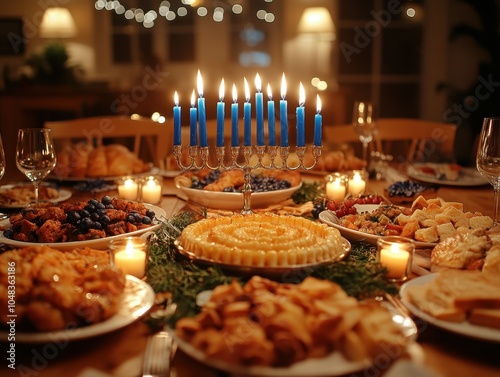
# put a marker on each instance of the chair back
(147, 139)
(422, 138)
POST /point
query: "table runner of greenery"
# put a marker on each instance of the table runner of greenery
(358, 274)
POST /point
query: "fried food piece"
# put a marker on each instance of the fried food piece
(230, 178)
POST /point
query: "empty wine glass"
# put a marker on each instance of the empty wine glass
(364, 125)
(488, 158)
(35, 155)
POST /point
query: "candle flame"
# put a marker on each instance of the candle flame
(129, 249)
(395, 248)
(318, 104)
(235, 94)
(283, 86)
(258, 83)
(269, 92)
(176, 98)
(302, 95)
(247, 90)
(193, 100)
(221, 90)
(199, 81)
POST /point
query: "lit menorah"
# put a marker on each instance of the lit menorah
(198, 152)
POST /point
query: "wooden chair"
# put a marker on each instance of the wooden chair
(147, 139)
(417, 139)
(422, 138)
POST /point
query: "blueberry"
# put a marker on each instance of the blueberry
(99, 206)
(9, 233)
(150, 213)
(93, 202)
(73, 217)
(146, 220)
(89, 208)
(86, 223)
(97, 225)
(131, 218)
(106, 200)
(84, 213)
(105, 220)
(94, 216)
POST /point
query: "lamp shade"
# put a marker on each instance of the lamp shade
(316, 20)
(57, 22)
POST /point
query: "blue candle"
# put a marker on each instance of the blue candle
(247, 118)
(235, 142)
(177, 120)
(220, 116)
(318, 123)
(193, 117)
(259, 111)
(271, 120)
(283, 115)
(301, 134)
(202, 116)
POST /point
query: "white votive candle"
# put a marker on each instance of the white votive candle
(128, 189)
(151, 191)
(131, 260)
(395, 260)
(356, 184)
(336, 190)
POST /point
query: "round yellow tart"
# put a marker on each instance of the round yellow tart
(262, 240)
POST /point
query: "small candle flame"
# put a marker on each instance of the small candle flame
(176, 98)
(221, 90)
(258, 83)
(269, 92)
(247, 90)
(199, 81)
(283, 87)
(193, 99)
(129, 249)
(235, 94)
(302, 95)
(318, 104)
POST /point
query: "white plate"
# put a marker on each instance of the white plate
(138, 298)
(63, 195)
(329, 218)
(100, 243)
(469, 176)
(462, 328)
(334, 364)
(233, 201)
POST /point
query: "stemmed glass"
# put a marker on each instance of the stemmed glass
(35, 155)
(364, 125)
(488, 158)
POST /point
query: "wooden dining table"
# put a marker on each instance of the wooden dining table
(120, 352)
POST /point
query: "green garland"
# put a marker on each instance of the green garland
(167, 271)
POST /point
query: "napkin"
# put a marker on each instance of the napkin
(392, 175)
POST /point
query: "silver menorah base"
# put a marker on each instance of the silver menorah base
(248, 152)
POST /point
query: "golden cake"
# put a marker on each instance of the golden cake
(262, 240)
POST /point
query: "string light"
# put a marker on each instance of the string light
(165, 10)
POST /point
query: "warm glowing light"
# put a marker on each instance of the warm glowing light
(176, 98)
(221, 90)
(258, 83)
(302, 95)
(247, 90)
(283, 86)
(199, 82)
(193, 99)
(235, 94)
(318, 104)
(410, 12)
(269, 92)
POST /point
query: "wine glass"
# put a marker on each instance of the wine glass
(364, 125)
(35, 155)
(488, 158)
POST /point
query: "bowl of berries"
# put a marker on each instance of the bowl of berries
(67, 226)
(223, 190)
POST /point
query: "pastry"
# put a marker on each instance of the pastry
(262, 240)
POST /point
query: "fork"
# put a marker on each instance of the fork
(160, 349)
(157, 355)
